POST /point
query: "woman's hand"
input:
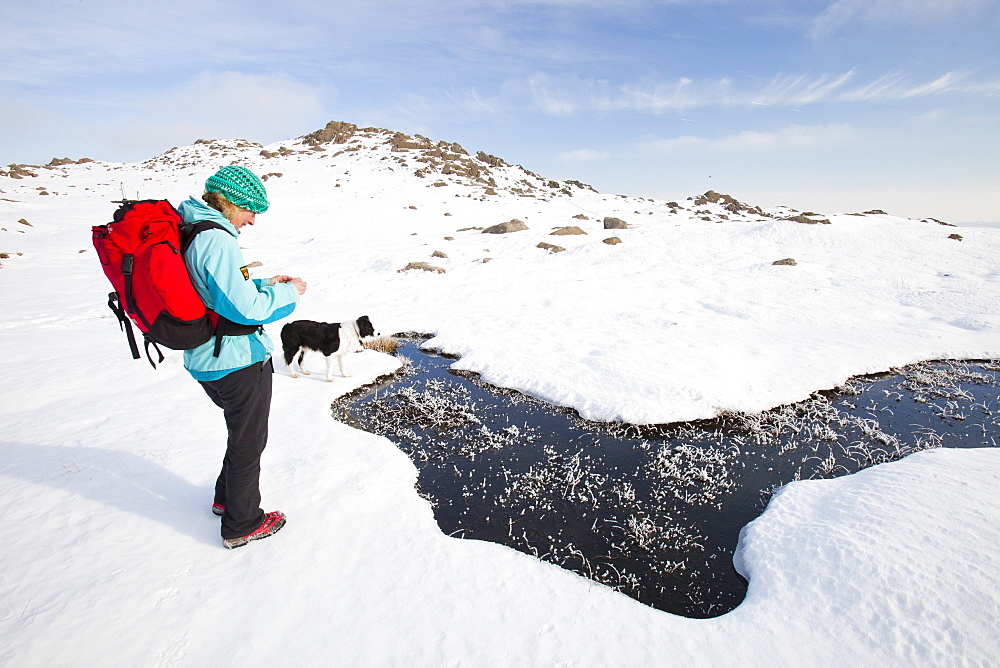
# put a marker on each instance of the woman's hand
(299, 284)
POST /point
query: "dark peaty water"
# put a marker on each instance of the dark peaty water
(652, 511)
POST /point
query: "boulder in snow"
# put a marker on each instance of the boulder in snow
(423, 266)
(572, 229)
(513, 225)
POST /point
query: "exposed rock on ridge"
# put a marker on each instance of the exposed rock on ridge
(728, 203)
(447, 159)
(335, 132)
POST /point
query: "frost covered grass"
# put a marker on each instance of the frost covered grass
(382, 344)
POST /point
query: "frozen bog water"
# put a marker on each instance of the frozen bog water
(653, 511)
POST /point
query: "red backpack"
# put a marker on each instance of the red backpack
(142, 254)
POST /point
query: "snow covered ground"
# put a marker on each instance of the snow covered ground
(111, 555)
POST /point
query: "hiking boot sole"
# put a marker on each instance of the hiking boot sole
(233, 543)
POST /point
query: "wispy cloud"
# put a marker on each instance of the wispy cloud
(564, 96)
(802, 89)
(841, 13)
(793, 137)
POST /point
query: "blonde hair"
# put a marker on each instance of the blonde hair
(219, 202)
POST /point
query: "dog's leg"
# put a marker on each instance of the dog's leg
(291, 365)
(329, 367)
(340, 362)
(302, 355)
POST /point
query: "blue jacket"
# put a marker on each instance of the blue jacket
(220, 276)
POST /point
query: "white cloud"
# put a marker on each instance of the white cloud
(791, 138)
(565, 96)
(234, 99)
(941, 85)
(932, 116)
(843, 12)
(220, 106)
(581, 155)
(896, 87)
(801, 90)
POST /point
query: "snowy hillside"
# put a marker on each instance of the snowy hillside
(679, 314)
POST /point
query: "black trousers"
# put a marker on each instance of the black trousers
(245, 399)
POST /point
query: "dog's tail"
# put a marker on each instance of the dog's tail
(287, 346)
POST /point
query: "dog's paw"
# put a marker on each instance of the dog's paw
(329, 380)
(348, 375)
(294, 375)
(307, 373)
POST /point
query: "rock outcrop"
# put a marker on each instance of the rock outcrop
(335, 132)
(806, 220)
(17, 171)
(727, 202)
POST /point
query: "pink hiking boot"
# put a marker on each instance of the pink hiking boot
(271, 525)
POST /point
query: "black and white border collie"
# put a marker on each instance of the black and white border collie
(332, 339)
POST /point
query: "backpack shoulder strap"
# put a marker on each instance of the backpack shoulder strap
(221, 326)
(190, 230)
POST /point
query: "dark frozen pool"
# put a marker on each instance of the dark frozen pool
(653, 511)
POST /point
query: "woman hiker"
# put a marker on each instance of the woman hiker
(236, 371)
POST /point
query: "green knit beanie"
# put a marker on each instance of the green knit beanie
(240, 186)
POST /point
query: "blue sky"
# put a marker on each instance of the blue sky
(831, 105)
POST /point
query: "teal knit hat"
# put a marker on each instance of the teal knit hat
(240, 186)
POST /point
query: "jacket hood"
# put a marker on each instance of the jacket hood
(192, 210)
